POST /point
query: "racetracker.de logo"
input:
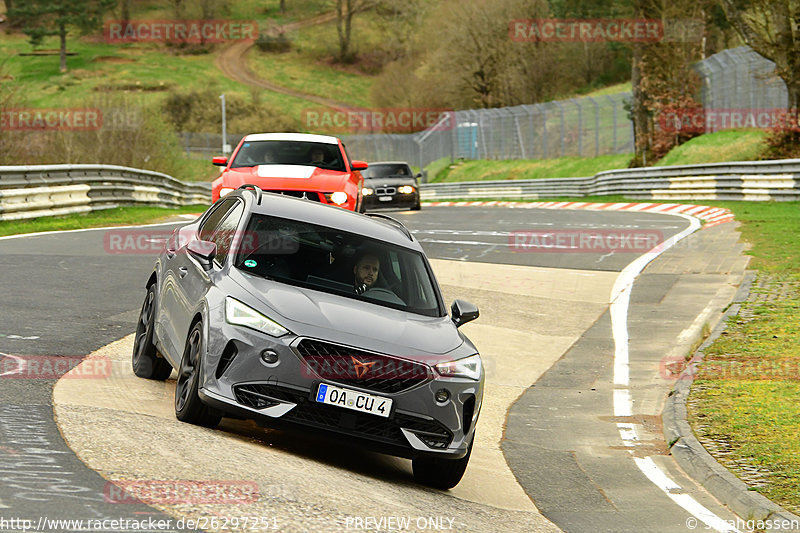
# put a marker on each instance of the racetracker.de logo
(54, 367)
(584, 241)
(700, 120)
(179, 31)
(586, 30)
(173, 492)
(152, 241)
(385, 120)
(52, 119)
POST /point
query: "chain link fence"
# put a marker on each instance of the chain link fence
(742, 81)
(737, 79)
(582, 127)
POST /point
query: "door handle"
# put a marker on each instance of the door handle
(183, 271)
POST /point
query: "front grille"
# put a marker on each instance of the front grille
(385, 190)
(308, 195)
(357, 368)
(310, 413)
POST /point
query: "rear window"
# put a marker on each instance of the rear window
(341, 263)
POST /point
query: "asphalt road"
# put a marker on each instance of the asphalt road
(66, 295)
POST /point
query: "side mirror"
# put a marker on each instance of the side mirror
(463, 312)
(418, 175)
(359, 165)
(203, 251)
(219, 161)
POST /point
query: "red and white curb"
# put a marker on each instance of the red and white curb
(710, 215)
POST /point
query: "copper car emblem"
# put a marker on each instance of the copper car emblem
(361, 368)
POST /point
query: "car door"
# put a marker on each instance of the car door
(178, 265)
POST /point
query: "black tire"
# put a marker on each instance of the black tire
(146, 361)
(188, 406)
(417, 206)
(441, 474)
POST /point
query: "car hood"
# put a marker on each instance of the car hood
(349, 319)
(299, 177)
(389, 181)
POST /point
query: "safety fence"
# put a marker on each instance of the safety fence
(48, 190)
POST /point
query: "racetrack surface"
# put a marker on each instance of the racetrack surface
(534, 308)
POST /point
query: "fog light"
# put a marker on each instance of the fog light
(269, 357)
(442, 395)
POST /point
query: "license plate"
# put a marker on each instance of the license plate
(385, 198)
(357, 401)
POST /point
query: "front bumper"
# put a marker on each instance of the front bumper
(395, 200)
(283, 395)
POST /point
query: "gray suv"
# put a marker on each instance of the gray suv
(303, 315)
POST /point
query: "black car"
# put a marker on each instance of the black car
(305, 315)
(390, 184)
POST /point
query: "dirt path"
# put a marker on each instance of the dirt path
(233, 63)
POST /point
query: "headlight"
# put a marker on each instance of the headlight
(242, 315)
(366, 191)
(406, 189)
(469, 367)
(338, 197)
(225, 191)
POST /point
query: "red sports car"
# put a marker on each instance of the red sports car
(315, 167)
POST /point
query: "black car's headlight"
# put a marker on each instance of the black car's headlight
(468, 367)
(406, 189)
(240, 314)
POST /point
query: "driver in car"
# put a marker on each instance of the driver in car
(317, 155)
(366, 272)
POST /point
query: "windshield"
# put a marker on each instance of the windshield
(321, 155)
(337, 262)
(382, 171)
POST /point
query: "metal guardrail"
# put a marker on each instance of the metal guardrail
(756, 181)
(48, 190)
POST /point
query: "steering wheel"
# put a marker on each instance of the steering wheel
(385, 295)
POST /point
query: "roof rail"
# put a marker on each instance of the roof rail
(393, 220)
(256, 189)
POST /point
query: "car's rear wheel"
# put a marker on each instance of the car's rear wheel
(440, 473)
(146, 361)
(188, 406)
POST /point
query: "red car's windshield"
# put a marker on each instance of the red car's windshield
(321, 155)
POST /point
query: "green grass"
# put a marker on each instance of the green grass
(562, 167)
(120, 216)
(746, 393)
(729, 145)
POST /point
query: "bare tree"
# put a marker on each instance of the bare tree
(345, 11)
(770, 27)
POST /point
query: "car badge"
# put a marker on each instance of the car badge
(361, 368)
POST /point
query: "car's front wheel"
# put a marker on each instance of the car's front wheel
(188, 406)
(146, 361)
(440, 473)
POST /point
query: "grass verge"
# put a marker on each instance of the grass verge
(120, 216)
(562, 167)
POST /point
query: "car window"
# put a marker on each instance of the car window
(210, 224)
(337, 262)
(382, 171)
(226, 231)
(323, 155)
